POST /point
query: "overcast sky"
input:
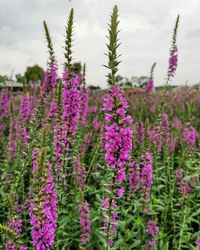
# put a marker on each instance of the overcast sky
(146, 31)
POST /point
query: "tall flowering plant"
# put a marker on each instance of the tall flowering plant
(173, 58)
(47, 88)
(84, 99)
(147, 174)
(71, 102)
(150, 83)
(43, 201)
(117, 136)
(50, 79)
(68, 104)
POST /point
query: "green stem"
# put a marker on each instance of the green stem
(92, 161)
(182, 227)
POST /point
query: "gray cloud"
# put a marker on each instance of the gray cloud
(146, 29)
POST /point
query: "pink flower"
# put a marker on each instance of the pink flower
(134, 175)
(84, 222)
(147, 173)
(120, 191)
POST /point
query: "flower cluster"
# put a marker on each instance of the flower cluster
(177, 124)
(141, 132)
(15, 223)
(42, 209)
(24, 139)
(4, 104)
(118, 136)
(190, 135)
(34, 157)
(173, 60)
(92, 109)
(110, 225)
(167, 136)
(183, 186)
(79, 172)
(84, 222)
(152, 230)
(13, 138)
(134, 175)
(96, 124)
(50, 80)
(71, 102)
(149, 86)
(117, 142)
(156, 138)
(165, 124)
(84, 104)
(25, 108)
(147, 173)
(52, 113)
(198, 241)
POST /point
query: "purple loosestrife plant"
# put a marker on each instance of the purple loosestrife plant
(71, 103)
(173, 58)
(84, 99)
(15, 224)
(42, 208)
(111, 218)
(24, 139)
(67, 124)
(150, 83)
(13, 137)
(60, 145)
(52, 113)
(177, 124)
(50, 78)
(72, 83)
(183, 186)
(198, 242)
(4, 104)
(25, 114)
(60, 140)
(84, 104)
(79, 172)
(96, 124)
(117, 137)
(25, 108)
(152, 231)
(156, 138)
(141, 131)
(134, 175)
(190, 135)
(84, 221)
(147, 174)
(49, 84)
(167, 136)
(165, 125)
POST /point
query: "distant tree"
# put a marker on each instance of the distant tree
(119, 79)
(20, 78)
(3, 78)
(123, 81)
(91, 87)
(34, 73)
(139, 81)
